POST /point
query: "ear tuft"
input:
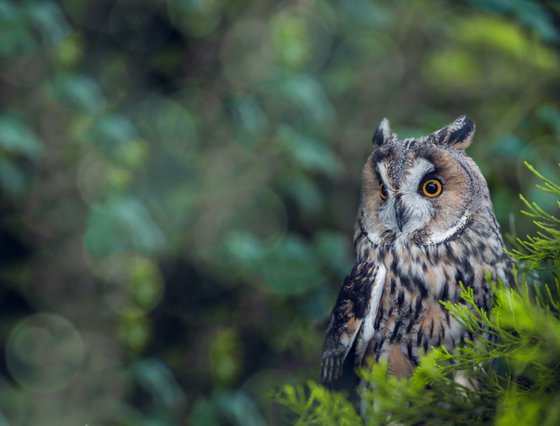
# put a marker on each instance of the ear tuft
(458, 134)
(383, 133)
(461, 132)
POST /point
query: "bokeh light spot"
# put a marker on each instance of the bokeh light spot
(131, 281)
(44, 352)
(301, 38)
(246, 55)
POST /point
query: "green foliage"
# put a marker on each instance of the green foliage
(122, 217)
(511, 376)
(530, 13)
(18, 144)
(545, 245)
(17, 139)
(318, 406)
(225, 356)
(179, 180)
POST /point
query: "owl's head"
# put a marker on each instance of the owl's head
(423, 189)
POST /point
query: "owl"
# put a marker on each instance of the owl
(425, 224)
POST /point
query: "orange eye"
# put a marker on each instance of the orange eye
(432, 188)
(383, 193)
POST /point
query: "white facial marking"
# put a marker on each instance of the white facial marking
(419, 209)
(439, 237)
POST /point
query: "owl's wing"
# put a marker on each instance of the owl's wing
(358, 299)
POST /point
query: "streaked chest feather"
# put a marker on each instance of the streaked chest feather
(410, 318)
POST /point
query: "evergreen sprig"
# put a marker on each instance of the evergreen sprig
(316, 405)
(545, 245)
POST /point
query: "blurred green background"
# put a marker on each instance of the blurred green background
(179, 181)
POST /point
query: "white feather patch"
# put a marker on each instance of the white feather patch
(367, 324)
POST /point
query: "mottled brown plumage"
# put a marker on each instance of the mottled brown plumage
(425, 224)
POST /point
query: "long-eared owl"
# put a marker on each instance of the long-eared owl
(425, 224)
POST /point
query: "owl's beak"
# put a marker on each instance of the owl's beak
(401, 215)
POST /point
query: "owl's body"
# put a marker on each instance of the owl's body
(424, 226)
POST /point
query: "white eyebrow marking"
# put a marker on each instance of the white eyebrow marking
(420, 169)
(382, 170)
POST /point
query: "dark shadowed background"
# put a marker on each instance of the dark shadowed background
(179, 181)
